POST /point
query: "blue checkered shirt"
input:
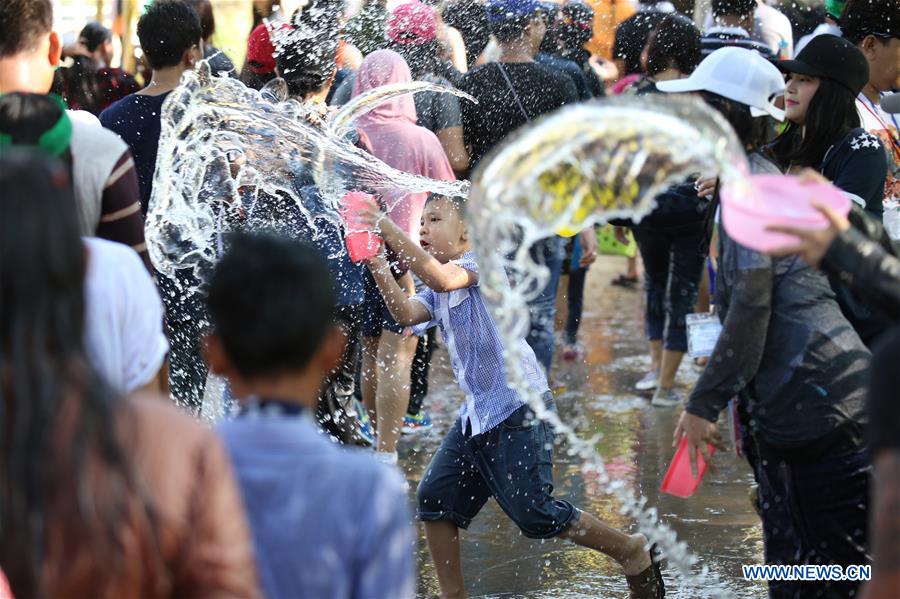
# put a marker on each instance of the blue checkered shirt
(476, 353)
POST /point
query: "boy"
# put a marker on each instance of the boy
(272, 308)
(496, 448)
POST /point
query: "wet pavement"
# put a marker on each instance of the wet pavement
(595, 394)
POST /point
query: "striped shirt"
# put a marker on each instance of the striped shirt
(477, 353)
(723, 37)
(120, 212)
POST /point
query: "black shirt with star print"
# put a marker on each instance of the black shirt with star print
(858, 166)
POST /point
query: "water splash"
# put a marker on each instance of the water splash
(560, 174)
(210, 125)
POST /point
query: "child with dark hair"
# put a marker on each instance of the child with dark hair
(732, 26)
(496, 448)
(170, 36)
(274, 338)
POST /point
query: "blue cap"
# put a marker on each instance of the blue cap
(508, 10)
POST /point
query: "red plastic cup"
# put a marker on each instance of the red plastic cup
(678, 480)
(362, 244)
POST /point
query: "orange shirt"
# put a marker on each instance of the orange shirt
(607, 16)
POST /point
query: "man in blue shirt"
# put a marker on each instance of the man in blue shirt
(272, 309)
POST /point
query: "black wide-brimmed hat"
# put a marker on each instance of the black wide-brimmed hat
(830, 57)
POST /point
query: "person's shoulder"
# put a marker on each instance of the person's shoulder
(122, 109)
(94, 134)
(480, 74)
(112, 254)
(156, 417)
(860, 142)
(467, 261)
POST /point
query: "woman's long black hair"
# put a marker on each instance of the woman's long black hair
(58, 437)
(831, 115)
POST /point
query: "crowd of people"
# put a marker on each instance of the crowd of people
(111, 486)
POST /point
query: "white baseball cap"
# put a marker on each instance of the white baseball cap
(737, 74)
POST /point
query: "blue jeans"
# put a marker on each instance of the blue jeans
(548, 252)
(512, 462)
(673, 262)
(815, 513)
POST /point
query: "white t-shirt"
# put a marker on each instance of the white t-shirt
(884, 126)
(124, 316)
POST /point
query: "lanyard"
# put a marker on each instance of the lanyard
(257, 406)
(870, 106)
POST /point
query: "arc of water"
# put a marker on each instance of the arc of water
(580, 166)
(364, 103)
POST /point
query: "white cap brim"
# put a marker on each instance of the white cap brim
(770, 110)
(675, 86)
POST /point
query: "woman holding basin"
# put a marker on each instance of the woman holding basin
(792, 359)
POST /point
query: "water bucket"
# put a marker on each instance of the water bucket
(362, 244)
(679, 481)
(767, 200)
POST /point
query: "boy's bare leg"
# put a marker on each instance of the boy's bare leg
(626, 549)
(369, 375)
(395, 356)
(443, 544)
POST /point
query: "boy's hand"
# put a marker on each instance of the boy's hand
(370, 215)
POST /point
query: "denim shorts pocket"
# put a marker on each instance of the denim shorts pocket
(522, 419)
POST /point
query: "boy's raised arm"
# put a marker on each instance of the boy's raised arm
(436, 276)
(407, 312)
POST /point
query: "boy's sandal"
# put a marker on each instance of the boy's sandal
(649, 583)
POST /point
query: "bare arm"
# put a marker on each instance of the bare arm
(406, 311)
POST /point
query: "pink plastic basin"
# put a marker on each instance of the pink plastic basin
(776, 200)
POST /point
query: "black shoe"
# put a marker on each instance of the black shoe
(649, 583)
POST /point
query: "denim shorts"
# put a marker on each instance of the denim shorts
(513, 463)
(375, 314)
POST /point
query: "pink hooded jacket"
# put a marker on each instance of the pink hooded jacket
(395, 138)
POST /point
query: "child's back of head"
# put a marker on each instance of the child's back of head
(271, 304)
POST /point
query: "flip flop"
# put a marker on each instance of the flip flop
(649, 583)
